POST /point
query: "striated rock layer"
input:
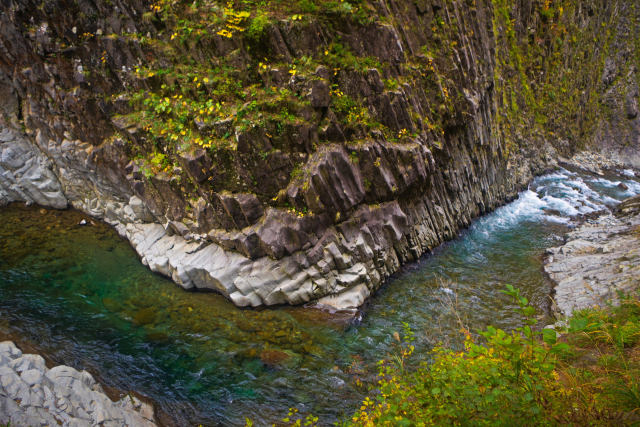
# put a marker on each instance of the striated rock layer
(33, 395)
(599, 260)
(422, 126)
(26, 174)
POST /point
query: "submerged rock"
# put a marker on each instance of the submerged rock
(32, 395)
(599, 259)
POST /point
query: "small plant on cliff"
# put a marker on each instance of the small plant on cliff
(257, 26)
(295, 419)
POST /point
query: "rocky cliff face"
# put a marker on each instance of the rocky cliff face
(301, 151)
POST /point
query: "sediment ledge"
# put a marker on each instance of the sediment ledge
(599, 259)
(33, 395)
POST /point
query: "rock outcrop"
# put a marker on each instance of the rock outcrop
(26, 174)
(600, 259)
(33, 395)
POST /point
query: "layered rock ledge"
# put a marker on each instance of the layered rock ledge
(33, 395)
(337, 261)
(398, 123)
(599, 260)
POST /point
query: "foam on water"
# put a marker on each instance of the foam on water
(557, 219)
(527, 206)
(558, 197)
(634, 187)
(564, 206)
(586, 194)
(606, 182)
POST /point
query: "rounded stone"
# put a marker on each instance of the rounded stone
(10, 350)
(31, 377)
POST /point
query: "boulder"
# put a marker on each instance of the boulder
(31, 394)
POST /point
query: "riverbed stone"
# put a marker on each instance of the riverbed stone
(598, 260)
(31, 377)
(350, 299)
(28, 361)
(9, 349)
(32, 395)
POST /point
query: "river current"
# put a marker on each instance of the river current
(80, 295)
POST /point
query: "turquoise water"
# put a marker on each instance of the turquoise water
(80, 295)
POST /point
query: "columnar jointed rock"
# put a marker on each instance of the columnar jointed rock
(371, 163)
(32, 395)
(599, 259)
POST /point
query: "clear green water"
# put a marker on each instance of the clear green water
(80, 295)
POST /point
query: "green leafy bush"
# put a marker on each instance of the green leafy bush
(523, 377)
(257, 26)
(589, 375)
(508, 379)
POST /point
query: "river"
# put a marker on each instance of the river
(80, 295)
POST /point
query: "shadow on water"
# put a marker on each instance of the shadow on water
(80, 295)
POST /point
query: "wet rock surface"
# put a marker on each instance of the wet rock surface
(33, 395)
(600, 163)
(599, 259)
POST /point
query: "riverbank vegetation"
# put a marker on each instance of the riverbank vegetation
(588, 374)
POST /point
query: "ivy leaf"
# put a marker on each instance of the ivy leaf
(549, 336)
(578, 324)
(560, 348)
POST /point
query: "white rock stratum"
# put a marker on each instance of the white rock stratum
(33, 395)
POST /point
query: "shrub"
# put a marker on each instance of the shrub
(524, 377)
(257, 26)
(508, 379)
